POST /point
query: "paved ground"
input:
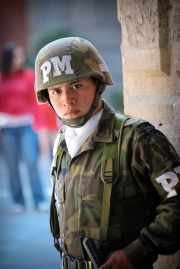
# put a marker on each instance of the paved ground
(25, 239)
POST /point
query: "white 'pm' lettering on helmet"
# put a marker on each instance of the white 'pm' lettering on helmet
(64, 65)
(172, 177)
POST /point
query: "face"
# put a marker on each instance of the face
(72, 100)
(18, 59)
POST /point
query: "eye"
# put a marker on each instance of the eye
(76, 86)
(56, 91)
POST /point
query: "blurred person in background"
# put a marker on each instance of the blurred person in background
(47, 126)
(18, 111)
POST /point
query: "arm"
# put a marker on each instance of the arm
(154, 158)
(156, 153)
(117, 260)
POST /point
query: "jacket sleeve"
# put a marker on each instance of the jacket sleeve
(156, 160)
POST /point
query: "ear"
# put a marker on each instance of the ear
(98, 82)
(45, 95)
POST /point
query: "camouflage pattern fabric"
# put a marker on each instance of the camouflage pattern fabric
(145, 213)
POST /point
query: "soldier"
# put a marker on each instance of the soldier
(118, 180)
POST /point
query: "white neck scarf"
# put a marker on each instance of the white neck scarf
(75, 137)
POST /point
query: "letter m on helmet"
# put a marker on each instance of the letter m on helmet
(58, 66)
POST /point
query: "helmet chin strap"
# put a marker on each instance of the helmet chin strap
(80, 121)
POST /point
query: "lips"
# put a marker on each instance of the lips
(71, 112)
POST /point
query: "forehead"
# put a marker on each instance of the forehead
(63, 84)
(70, 83)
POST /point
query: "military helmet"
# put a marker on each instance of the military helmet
(67, 60)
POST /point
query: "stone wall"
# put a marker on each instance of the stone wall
(151, 70)
(151, 62)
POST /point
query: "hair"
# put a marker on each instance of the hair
(45, 95)
(7, 56)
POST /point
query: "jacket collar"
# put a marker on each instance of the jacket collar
(104, 133)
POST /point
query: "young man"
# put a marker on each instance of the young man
(128, 204)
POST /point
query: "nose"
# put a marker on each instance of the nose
(68, 98)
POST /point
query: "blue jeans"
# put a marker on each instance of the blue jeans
(20, 144)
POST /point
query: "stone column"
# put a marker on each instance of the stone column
(151, 70)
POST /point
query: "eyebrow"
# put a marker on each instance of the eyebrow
(56, 86)
(75, 82)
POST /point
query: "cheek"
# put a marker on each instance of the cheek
(57, 107)
(88, 100)
(59, 110)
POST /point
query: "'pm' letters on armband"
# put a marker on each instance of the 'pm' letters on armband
(169, 180)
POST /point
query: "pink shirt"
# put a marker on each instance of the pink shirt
(18, 104)
(17, 96)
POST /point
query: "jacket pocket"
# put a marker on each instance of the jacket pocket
(91, 208)
(90, 216)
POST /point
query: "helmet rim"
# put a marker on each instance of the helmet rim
(81, 60)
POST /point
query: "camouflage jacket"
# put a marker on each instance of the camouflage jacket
(144, 215)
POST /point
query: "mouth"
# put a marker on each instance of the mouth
(71, 113)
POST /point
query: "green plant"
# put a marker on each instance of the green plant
(46, 36)
(49, 35)
(115, 99)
